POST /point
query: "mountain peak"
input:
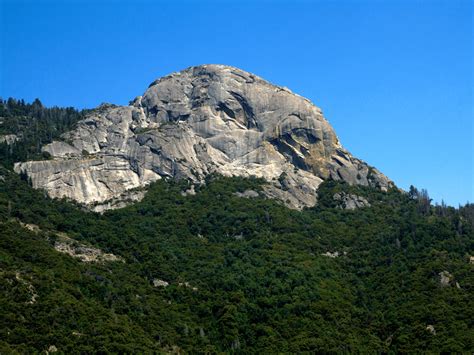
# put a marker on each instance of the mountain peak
(218, 71)
(202, 120)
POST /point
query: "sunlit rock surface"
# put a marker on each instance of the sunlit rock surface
(205, 119)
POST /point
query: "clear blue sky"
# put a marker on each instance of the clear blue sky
(393, 77)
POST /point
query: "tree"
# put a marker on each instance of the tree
(424, 202)
(413, 192)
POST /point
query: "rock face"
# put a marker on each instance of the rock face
(350, 201)
(205, 119)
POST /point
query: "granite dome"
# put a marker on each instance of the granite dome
(202, 120)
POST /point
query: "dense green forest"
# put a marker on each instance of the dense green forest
(218, 273)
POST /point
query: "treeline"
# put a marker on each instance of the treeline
(33, 125)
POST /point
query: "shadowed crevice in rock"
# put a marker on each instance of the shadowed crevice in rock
(249, 116)
(291, 150)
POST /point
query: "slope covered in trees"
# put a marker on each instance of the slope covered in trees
(245, 275)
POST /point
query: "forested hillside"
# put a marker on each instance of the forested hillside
(218, 272)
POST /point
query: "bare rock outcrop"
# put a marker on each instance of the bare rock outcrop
(84, 253)
(350, 201)
(160, 283)
(431, 329)
(205, 119)
(447, 279)
(247, 194)
(8, 138)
